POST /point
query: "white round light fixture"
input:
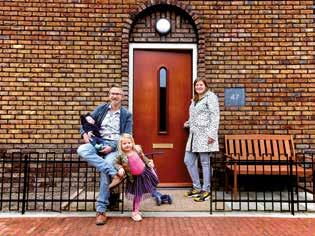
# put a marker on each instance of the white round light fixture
(163, 26)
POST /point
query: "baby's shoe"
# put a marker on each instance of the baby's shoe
(166, 199)
(136, 216)
(157, 196)
(99, 147)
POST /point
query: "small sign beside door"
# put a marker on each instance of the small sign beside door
(234, 97)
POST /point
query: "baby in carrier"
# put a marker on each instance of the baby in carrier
(93, 130)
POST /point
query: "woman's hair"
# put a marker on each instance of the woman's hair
(196, 95)
(125, 136)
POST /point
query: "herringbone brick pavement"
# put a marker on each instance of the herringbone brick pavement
(159, 226)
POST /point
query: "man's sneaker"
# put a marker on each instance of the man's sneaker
(101, 218)
(115, 181)
(192, 193)
(203, 196)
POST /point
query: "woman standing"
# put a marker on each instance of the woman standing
(203, 123)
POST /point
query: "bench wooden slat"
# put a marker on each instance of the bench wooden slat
(281, 148)
(256, 149)
(237, 147)
(263, 150)
(287, 147)
(244, 151)
(275, 148)
(231, 147)
(250, 153)
(269, 150)
(258, 136)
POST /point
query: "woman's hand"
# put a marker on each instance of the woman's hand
(186, 124)
(210, 140)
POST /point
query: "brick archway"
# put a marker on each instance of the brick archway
(143, 8)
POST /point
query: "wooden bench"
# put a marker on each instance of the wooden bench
(262, 154)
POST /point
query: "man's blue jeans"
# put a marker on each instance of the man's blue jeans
(106, 168)
(191, 164)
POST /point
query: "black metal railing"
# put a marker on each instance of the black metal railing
(62, 182)
(48, 182)
(268, 184)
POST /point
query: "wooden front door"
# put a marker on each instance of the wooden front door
(162, 92)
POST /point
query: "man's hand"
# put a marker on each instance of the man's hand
(105, 150)
(90, 134)
(86, 138)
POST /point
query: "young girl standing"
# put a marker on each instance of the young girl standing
(141, 178)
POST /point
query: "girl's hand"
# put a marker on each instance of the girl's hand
(151, 164)
(186, 124)
(121, 172)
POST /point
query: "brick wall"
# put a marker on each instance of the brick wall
(58, 58)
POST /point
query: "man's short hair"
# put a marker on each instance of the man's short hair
(115, 86)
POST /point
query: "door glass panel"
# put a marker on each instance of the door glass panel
(162, 116)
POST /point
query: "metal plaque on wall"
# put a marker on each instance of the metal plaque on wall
(234, 97)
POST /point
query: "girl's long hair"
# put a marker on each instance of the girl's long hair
(196, 95)
(125, 136)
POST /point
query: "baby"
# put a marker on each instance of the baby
(93, 130)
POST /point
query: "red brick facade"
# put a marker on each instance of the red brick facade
(59, 57)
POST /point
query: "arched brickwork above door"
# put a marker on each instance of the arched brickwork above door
(183, 29)
(140, 28)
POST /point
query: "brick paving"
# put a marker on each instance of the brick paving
(158, 226)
